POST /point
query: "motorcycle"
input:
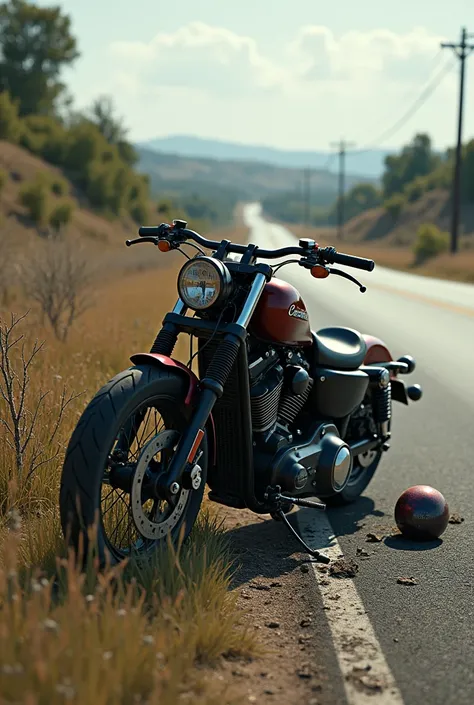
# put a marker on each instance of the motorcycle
(277, 414)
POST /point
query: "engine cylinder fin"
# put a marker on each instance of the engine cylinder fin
(292, 404)
(265, 408)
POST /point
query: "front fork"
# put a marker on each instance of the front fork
(211, 386)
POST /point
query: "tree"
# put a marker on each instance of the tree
(416, 159)
(112, 128)
(36, 42)
(360, 198)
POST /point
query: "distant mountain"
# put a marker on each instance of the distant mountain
(368, 163)
(236, 179)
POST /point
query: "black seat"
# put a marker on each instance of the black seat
(339, 348)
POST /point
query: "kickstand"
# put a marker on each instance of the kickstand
(316, 554)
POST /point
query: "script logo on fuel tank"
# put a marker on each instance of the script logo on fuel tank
(297, 313)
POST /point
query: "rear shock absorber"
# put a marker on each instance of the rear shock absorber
(382, 403)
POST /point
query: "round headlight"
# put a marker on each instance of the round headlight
(202, 282)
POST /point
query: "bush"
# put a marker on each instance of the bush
(44, 136)
(139, 212)
(415, 190)
(3, 179)
(61, 215)
(59, 186)
(430, 242)
(35, 198)
(10, 124)
(394, 205)
(85, 145)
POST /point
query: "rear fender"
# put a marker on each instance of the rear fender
(166, 362)
(377, 351)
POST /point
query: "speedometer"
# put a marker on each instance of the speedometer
(202, 282)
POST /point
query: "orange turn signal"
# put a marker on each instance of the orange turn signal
(164, 246)
(319, 271)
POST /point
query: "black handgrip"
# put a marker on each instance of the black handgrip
(149, 230)
(351, 261)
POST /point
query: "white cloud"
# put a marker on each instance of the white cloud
(318, 86)
(363, 57)
(198, 56)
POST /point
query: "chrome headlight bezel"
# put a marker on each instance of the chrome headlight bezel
(223, 277)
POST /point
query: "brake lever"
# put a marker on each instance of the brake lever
(144, 238)
(352, 279)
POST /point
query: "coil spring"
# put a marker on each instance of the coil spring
(164, 342)
(221, 364)
(382, 404)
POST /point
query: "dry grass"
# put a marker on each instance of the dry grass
(459, 267)
(136, 636)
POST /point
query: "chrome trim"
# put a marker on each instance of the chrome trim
(253, 298)
(180, 308)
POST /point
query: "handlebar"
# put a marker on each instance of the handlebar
(328, 254)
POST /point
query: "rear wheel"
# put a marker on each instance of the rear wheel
(118, 453)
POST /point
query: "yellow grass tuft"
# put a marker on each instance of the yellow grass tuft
(137, 634)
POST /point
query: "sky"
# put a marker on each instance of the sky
(292, 74)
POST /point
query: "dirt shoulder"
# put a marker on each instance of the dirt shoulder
(277, 591)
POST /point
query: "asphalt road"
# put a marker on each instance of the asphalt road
(426, 632)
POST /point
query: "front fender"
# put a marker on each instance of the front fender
(168, 362)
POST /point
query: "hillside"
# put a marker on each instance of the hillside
(433, 207)
(367, 164)
(21, 166)
(238, 180)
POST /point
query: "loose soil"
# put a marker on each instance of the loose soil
(277, 591)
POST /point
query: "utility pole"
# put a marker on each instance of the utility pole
(342, 147)
(462, 51)
(306, 196)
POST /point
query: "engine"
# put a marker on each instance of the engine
(279, 389)
(319, 460)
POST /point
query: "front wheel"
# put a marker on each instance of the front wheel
(120, 449)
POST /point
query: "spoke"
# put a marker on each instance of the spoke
(119, 523)
(119, 496)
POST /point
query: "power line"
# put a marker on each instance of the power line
(419, 102)
(409, 95)
(342, 147)
(462, 50)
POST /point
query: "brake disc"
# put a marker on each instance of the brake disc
(145, 526)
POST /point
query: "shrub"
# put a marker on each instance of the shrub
(10, 124)
(394, 205)
(61, 215)
(415, 190)
(139, 212)
(430, 242)
(85, 145)
(44, 136)
(3, 179)
(34, 197)
(59, 186)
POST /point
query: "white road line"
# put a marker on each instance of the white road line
(355, 643)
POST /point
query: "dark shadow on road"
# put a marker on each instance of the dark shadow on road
(402, 544)
(266, 548)
(350, 518)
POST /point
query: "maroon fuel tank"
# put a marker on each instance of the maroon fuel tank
(281, 316)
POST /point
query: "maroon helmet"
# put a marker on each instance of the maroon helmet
(421, 513)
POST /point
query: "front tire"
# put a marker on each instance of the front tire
(106, 449)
